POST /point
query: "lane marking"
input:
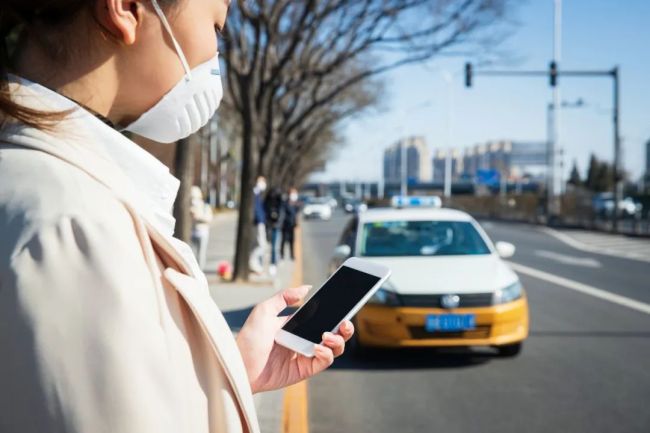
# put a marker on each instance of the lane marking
(587, 262)
(582, 288)
(295, 415)
(592, 249)
(294, 410)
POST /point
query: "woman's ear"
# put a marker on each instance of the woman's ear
(121, 18)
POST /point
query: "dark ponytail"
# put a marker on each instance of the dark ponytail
(16, 18)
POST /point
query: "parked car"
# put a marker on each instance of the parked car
(603, 206)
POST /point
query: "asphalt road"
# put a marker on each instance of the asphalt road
(584, 368)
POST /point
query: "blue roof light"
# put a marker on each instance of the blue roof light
(400, 201)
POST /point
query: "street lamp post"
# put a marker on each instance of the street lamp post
(403, 168)
(450, 109)
(617, 171)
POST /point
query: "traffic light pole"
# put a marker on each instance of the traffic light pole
(553, 73)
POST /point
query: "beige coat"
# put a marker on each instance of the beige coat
(103, 325)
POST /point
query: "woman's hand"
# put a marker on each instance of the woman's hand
(271, 366)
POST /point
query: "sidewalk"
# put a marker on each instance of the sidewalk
(236, 300)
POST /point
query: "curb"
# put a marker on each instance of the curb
(295, 416)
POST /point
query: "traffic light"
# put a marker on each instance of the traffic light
(468, 74)
(552, 73)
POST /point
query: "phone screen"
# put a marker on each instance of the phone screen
(330, 304)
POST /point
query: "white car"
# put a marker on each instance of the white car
(449, 284)
(317, 207)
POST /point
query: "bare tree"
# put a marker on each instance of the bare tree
(184, 168)
(290, 61)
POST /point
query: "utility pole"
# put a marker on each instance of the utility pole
(403, 184)
(554, 207)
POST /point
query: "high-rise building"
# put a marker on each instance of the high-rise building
(514, 159)
(440, 165)
(418, 168)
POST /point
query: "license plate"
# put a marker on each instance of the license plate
(449, 322)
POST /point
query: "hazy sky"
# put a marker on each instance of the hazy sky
(597, 34)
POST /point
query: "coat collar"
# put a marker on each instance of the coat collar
(151, 180)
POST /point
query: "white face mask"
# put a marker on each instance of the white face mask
(261, 186)
(188, 106)
(293, 196)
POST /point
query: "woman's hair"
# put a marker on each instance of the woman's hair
(18, 18)
(44, 22)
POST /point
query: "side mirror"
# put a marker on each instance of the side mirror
(342, 252)
(505, 249)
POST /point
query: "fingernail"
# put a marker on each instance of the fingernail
(328, 336)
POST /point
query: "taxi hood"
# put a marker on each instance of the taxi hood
(447, 274)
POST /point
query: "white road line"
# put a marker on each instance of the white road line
(569, 260)
(582, 288)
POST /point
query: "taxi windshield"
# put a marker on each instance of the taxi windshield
(421, 238)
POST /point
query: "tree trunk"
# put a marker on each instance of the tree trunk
(184, 170)
(217, 173)
(245, 220)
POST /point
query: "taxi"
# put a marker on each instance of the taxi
(449, 284)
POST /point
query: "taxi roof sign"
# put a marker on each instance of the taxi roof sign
(400, 201)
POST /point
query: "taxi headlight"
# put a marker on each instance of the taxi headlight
(385, 296)
(509, 293)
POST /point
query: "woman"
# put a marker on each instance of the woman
(201, 214)
(106, 324)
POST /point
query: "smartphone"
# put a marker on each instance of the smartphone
(342, 295)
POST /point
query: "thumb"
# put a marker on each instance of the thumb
(285, 298)
(295, 295)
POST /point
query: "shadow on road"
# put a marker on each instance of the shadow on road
(425, 358)
(236, 318)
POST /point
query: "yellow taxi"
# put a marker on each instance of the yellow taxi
(449, 286)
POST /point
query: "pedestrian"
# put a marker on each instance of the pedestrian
(290, 222)
(107, 324)
(258, 253)
(201, 214)
(274, 209)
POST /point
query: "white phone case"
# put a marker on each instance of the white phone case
(306, 347)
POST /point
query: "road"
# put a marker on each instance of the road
(584, 368)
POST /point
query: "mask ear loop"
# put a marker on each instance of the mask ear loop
(179, 51)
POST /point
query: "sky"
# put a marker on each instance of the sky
(596, 34)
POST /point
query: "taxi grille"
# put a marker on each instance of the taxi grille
(466, 301)
(419, 333)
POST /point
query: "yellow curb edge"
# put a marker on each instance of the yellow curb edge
(295, 416)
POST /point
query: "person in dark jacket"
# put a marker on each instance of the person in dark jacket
(274, 210)
(290, 222)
